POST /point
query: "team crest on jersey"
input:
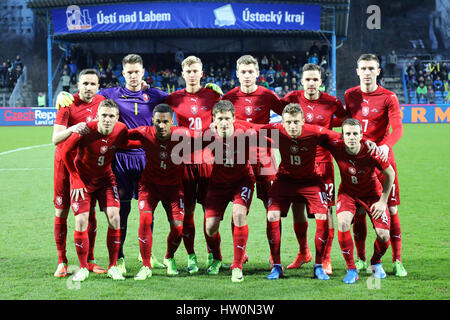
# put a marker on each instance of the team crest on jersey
(365, 111)
(103, 149)
(88, 119)
(75, 206)
(309, 117)
(146, 97)
(294, 149)
(248, 110)
(194, 109)
(163, 155)
(352, 170)
(59, 200)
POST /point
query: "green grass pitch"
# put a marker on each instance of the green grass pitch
(28, 254)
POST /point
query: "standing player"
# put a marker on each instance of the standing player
(70, 120)
(319, 109)
(135, 108)
(161, 181)
(91, 178)
(360, 188)
(377, 109)
(253, 103)
(192, 107)
(297, 182)
(232, 180)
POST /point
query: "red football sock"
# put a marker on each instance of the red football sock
(300, 230)
(321, 239)
(82, 247)
(240, 237)
(274, 238)
(189, 233)
(396, 238)
(360, 234)
(113, 244)
(145, 237)
(329, 244)
(92, 233)
(173, 240)
(60, 231)
(346, 244)
(379, 249)
(214, 244)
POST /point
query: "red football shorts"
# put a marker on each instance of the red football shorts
(61, 184)
(195, 183)
(263, 181)
(394, 196)
(171, 197)
(219, 195)
(325, 170)
(104, 190)
(351, 204)
(284, 192)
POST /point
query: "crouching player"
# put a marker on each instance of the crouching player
(91, 177)
(361, 188)
(161, 181)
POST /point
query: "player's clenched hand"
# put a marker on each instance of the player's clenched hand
(76, 193)
(378, 209)
(214, 87)
(64, 99)
(80, 128)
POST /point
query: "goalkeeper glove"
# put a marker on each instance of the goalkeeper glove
(214, 87)
(64, 99)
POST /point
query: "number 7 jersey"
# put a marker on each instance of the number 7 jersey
(377, 111)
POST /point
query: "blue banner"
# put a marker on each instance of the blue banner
(417, 113)
(180, 15)
(27, 116)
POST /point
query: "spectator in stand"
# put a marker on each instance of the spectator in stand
(438, 84)
(41, 99)
(264, 63)
(445, 85)
(323, 64)
(392, 62)
(270, 79)
(65, 81)
(421, 90)
(314, 49)
(418, 65)
(3, 73)
(313, 58)
(428, 81)
(73, 71)
(11, 79)
(18, 62)
(179, 56)
(430, 94)
(271, 72)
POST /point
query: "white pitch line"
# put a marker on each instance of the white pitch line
(24, 169)
(25, 148)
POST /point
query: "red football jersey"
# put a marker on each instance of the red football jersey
(254, 107)
(95, 153)
(358, 176)
(193, 110)
(234, 162)
(298, 154)
(377, 111)
(78, 111)
(159, 168)
(318, 112)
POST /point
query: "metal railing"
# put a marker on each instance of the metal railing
(17, 92)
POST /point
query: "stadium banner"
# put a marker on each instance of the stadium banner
(27, 116)
(186, 15)
(425, 113)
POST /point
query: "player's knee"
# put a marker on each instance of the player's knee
(113, 216)
(344, 222)
(393, 210)
(81, 221)
(273, 216)
(383, 235)
(62, 213)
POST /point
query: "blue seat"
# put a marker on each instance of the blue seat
(439, 100)
(413, 100)
(412, 94)
(422, 101)
(438, 93)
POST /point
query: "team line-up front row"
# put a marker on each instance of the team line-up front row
(122, 143)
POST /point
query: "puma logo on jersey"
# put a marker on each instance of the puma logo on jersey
(249, 100)
(312, 108)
